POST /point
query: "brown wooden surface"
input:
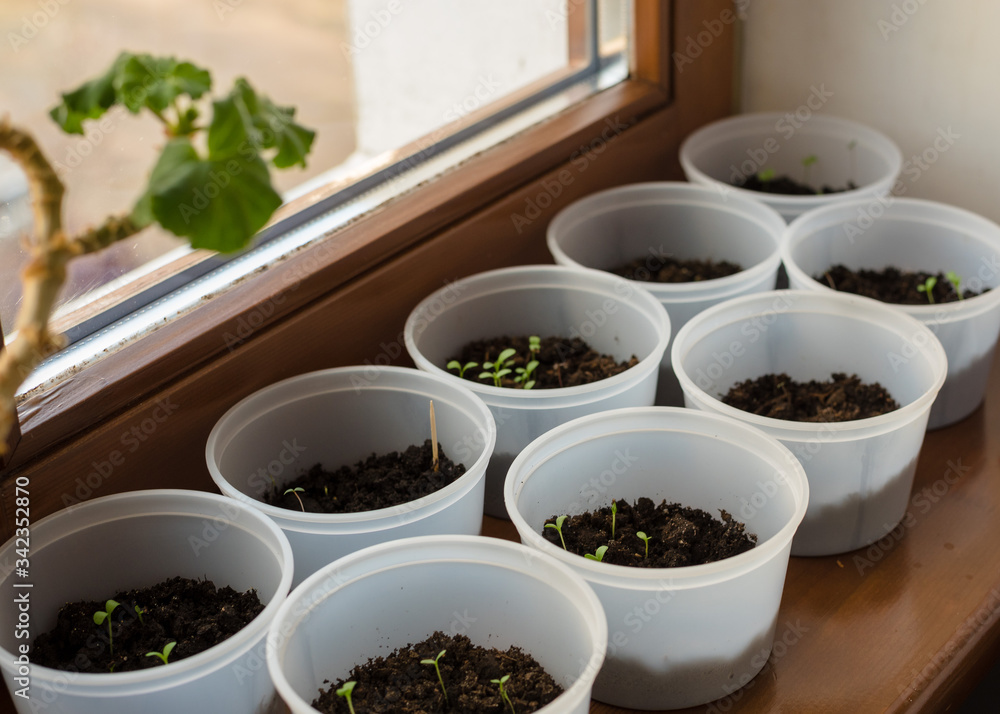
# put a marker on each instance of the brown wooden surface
(913, 622)
(15, 433)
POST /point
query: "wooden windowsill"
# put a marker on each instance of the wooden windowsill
(910, 624)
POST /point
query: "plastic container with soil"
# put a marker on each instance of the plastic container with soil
(860, 471)
(846, 151)
(389, 596)
(913, 234)
(611, 314)
(340, 416)
(678, 637)
(137, 539)
(654, 221)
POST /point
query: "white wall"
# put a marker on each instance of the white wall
(909, 68)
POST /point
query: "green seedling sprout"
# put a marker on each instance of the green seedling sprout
(345, 692)
(438, 670)
(501, 367)
(558, 526)
(139, 611)
(956, 282)
(524, 375)
(645, 539)
(101, 615)
(503, 692)
(455, 364)
(165, 654)
(295, 492)
(807, 163)
(597, 555)
(928, 288)
(534, 345)
(614, 511)
(765, 175)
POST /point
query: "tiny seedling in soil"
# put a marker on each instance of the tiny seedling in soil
(645, 539)
(101, 615)
(898, 287)
(193, 613)
(165, 654)
(462, 369)
(345, 692)
(956, 282)
(558, 528)
(434, 440)
(767, 174)
(437, 669)
(139, 611)
(295, 492)
(928, 288)
(614, 512)
(562, 362)
(500, 367)
(398, 684)
(378, 481)
(503, 693)
(683, 536)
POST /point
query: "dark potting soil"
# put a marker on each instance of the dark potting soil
(841, 398)
(678, 535)
(192, 613)
(400, 684)
(376, 482)
(562, 362)
(893, 285)
(675, 270)
(788, 186)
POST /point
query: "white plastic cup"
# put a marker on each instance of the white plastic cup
(729, 149)
(860, 471)
(914, 234)
(679, 637)
(134, 540)
(609, 313)
(672, 219)
(338, 417)
(389, 596)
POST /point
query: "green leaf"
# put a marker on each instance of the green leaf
(155, 82)
(265, 126)
(218, 204)
(88, 101)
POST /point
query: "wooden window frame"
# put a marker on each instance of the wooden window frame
(139, 417)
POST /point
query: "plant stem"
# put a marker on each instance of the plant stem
(434, 437)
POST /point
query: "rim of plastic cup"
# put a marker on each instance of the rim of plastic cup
(754, 441)
(378, 519)
(144, 680)
(852, 307)
(917, 210)
(503, 280)
(752, 125)
(682, 194)
(492, 551)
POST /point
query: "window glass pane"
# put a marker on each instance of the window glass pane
(379, 80)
